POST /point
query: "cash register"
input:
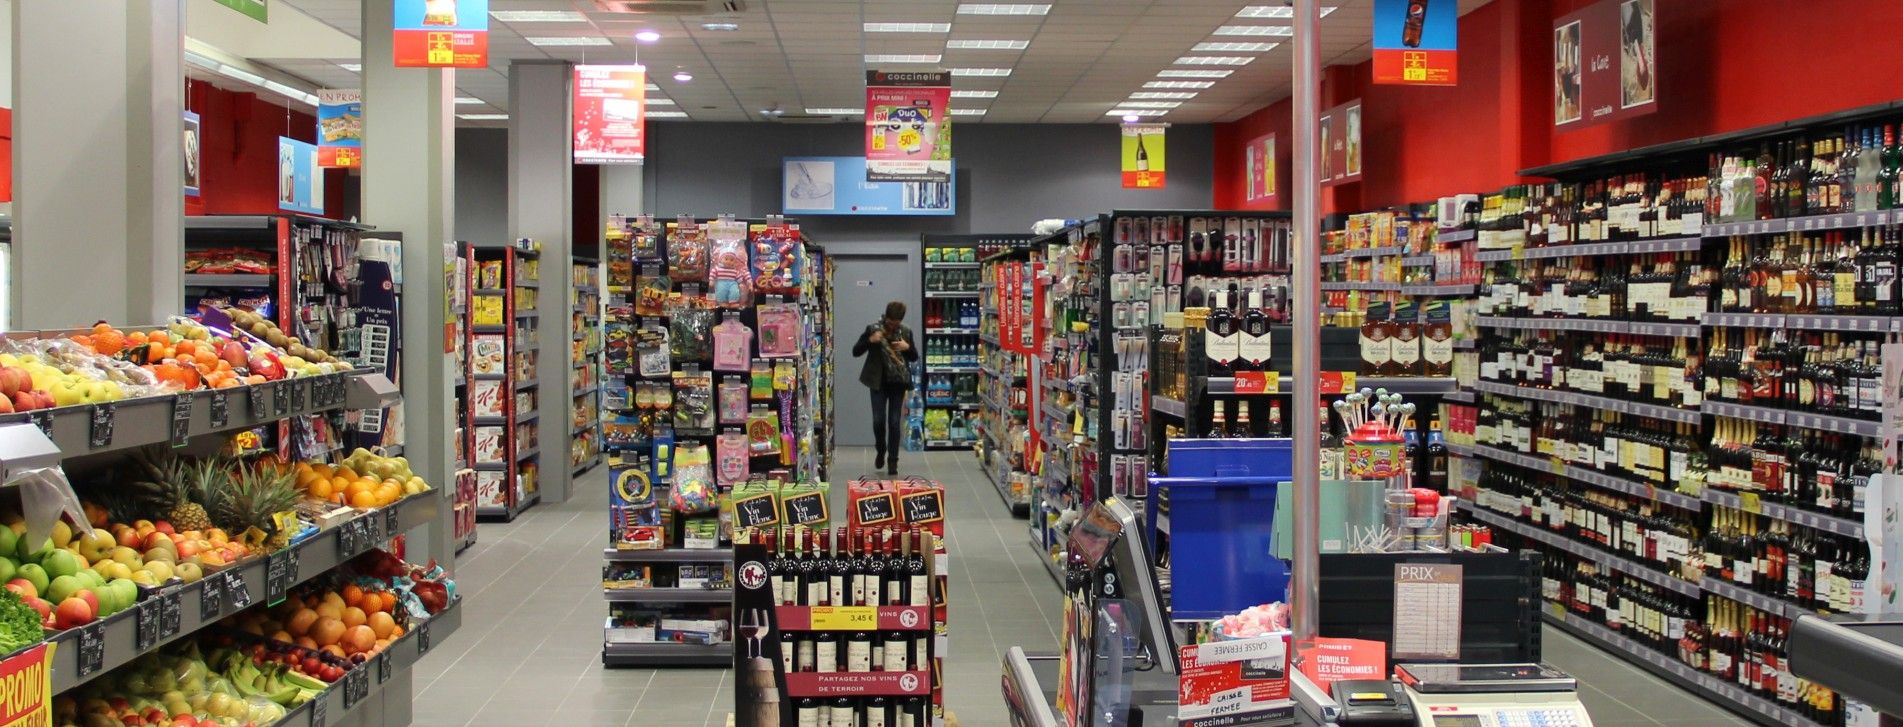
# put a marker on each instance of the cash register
(1491, 695)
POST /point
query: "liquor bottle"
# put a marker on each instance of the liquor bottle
(1761, 172)
(1220, 337)
(1217, 428)
(789, 650)
(813, 573)
(878, 713)
(777, 570)
(1436, 456)
(894, 568)
(1242, 428)
(1376, 351)
(865, 582)
(1887, 175)
(1405, 342)
(1437, 344)
(913, 712)
(807, 712)
(918, 586)
(859, 651)
(840, 713)
(1275, 419)
(1254, 345)
(838, 570)
(897, 647)
(826, 651)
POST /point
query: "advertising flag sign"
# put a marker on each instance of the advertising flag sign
(1259, 165)
(908, 126)
(1414, 42)
(1143, 153)
(610, 114)
(253, 9)
(340, 127)
(441, 33)
(300, 180)
(1604, 64)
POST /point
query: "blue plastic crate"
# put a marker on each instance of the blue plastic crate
(1222, 518)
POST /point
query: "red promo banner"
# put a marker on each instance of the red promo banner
(1604, 64)
(1223, 682)
(1327, 661)
(27, 680)
(1341, 144)
(1415, 43)
(610, 114)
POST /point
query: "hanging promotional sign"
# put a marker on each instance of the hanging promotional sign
(189, 146)
(27, 678)
(1259, 166)
(837, 186)
(610, 114)
(1143, 153)
(340, 127)
(1341, 144)
(1604, 65)
(908, 126)
(441, 34)
(253, 9)
(1414, 42)
(300, 180)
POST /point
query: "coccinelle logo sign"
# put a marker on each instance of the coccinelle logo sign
(908, 682)
(908, 619)
(752, 575)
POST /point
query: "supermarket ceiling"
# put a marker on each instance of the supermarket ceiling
(1065, 61)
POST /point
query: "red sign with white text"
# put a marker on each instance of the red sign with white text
(1604, 64)
(1326, 661)
(610, 114)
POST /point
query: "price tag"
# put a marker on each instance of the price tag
(298, 390)
(392, 522)
(146, 616)
(1748, 502)
(281, 398)
(845, 618)
(220, 409)
(101, 416)
(356, 687)
(1258, 382)
(320, 710)
(181, 418)
(171, 613)
(44, 420)
(280, 571)
(260, 408)
(92, 648)
(383, 667)
(349, 540)
(372, 530)
(237, 592)
(211, 599)
(422, 638)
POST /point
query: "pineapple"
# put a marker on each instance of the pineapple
(173, 486)
(253, 498)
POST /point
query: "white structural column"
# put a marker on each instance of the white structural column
(541, 207)
(409, 164)
(97, 168)
(1305, 594)
(622, 193)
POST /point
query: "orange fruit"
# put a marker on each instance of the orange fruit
(382, 624)
(306, 642)
(281, 636)
(387, 493)
(396, 632)
(329, 611)
(354, 617)
(353, 596)
(301, 621)
(327, 632)
(335, 650)
(363, 500)
(359, 639)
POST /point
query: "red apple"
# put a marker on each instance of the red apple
(6, 405)
(23, 587)
(72, 612)
(24, 401)
(164, 527)
(12, 383)
(41, 605)
(90, 598)
(155, 538)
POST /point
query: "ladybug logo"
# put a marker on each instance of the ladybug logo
(908, 682)
(908, 618)
(752, 575)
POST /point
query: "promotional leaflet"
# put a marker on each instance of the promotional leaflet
(1259, 165)
(1233, 682)
(340, 127)
(1325, 661)
(1414, 42)
(1341, 144)
(300, 180)
(610, 114)
(837, 186)
(1143, 152)
(441, 34)
(908, 127)
(193, 141)
(1604, 65)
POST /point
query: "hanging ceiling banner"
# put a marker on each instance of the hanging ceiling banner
(340, 128)
(1414, 42)
(1341, 144)
(1143, 152)
(1259, 165)
(908, 126)
(300, 181)
(441, 33)
(1604, 65)
(193, 141)
(610, 115)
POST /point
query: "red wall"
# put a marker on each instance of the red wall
(1724, 66)
(239, 152)
(6, 155)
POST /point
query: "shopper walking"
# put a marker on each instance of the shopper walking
(887, 346)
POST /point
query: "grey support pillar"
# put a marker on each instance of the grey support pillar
(409, 166)
(97, 168)
(622, 193)
(541, 207)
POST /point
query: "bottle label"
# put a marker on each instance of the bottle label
(1406, 350)
(828, 655)
(816, 593)
(809, 717)
(895, 655)
(1376, 349)
(842, 716)
(837, 590)
(1219, 347)
(780, 591)
(921, 592)
(859, 655)
(1256, 349)
(808, 655)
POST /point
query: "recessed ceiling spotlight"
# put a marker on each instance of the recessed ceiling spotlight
(1131, 118)
(1003, 9)
(647, 36)
(683, 76)
(720, 27)
(908, 27)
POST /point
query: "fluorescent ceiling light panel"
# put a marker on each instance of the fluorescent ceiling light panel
(1179, 84)
(973, 93)
(352, 67)
(667, 114)
(908, 27)
(720, 27)
(1234, 47)
(1275, 11)
(968, 112)
(1187, 73)
(1163, 94)
(240, 74)
(201, 61)
(1002, 9)
(1256, 31)
(903, 58)
(538, 16)
(482, 117)
(987, 44)
(466, 100)
(840, 111)
(660, 101)
(981, 71)
(1151, 104)
(1214, 61)
(1135, 112)
(567, 40)
(284, 90)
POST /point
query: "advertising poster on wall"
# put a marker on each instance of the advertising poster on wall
(837, 186)
(1605, 64)
(190, 146)
(339, 128)
(1415, 42)
(1259, 165)
(1341, 144)
(300, 180)
(1144, 149)
(610, 114)
(441, 34)
(908, 126)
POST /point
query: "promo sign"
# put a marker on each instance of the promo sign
(441, 33)
(1604, 66)
(1143, 152)
(610, 114)
(27, 678)
(339, 127)
(253, 9)
(1414, 42)
(908, 126)
(1233, 682)
(1341, 144)
(193, 142)
(300, 183)
(1259, 165)
(837, 186)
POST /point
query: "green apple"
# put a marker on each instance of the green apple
(91, 578)
(60, 563)
(95, 545)
(7, 569)
(63, 588)
(35, 575)
(9, 541)
(33, 554)
(128, 556)
(65, 393)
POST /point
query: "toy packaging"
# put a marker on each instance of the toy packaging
(777, 259)
(732, 340)
(731, 459)
(761, 387)
(690, 331)
(733, 400)
(646, 242)
(618, 341)
(651, 345)
(779, 330)
(763, 431)
(687, 252)
(650, 293)
(633, 516)
(731, 278)
(693, 401)
(693, 491)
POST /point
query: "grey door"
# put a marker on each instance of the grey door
(862, 285)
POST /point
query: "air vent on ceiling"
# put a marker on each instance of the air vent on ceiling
(672, 7)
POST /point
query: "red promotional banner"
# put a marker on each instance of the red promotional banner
(610, 114)
(1604, 65)
(27, 678)
(908, 126)
(440, 34)
(1341, 144)
(1327, 661)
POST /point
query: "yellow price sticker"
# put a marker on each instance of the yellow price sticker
(1748, 502)
(1558, 611)
(1347, 381)
(845, 618)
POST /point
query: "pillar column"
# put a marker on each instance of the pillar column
(622, 193)
(541, 204)
(409, 167)
(97, 169)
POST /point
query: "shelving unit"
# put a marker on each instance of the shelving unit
(951, 279)
(1008, 319)
(500, 416)
(584, 380)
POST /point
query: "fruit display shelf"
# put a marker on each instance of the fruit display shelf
(360, 697)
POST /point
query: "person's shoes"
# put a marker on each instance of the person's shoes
(878, 461)
(892, 467)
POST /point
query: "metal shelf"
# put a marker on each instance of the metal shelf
(1417, 261)
(942, 265)
(229, 280)
(1677, 672)
(1586, 249)
(955, 331)
(668, 595)
(1592, 325)
(1786, 513)
(1375, 251)
(668, 555)
(1451, 236)
(952, 293)
(1591, 477)
(1654, 411)
(1587, 551)
(1801, 420)
(1172, 407)
(1353, 285)
(1806, 321)
(1837, 221)
(1443, 289)
(665, 653)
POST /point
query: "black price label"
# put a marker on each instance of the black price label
(44, 420)
(347, 543)
(803, 509)
(757, 511)
(147, 615)
(280, 571)
(298, 391)
(255, 394)
(101, 416)
(211, 599)
(237, 592)
(171, 613)
(281, 398)
(392, 522)
(422, 638)
(324, 391)
(320, 709)
(927, 506)
(92, 648)
(182, 418)
(372, 530)
(220, 409)
(875, 509)
(383, 667)
(356, 687)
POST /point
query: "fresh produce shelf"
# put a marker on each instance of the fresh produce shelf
(669, 555)
(668, 595)
(402, 654)
(311, 557)
(665, 653)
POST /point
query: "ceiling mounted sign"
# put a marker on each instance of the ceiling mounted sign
(1414, 42)
(340, 128)
(610, 115)
(441, 33)
(253, 9)
(908, 126)
(1604, 64)
(1143, 154)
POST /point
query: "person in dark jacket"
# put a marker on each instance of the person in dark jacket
(887, 346)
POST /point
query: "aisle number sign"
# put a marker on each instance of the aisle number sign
(26, 681)
(340, 127)
(610, 116)
(1143, 154)
(441, 33)
(1414, 42)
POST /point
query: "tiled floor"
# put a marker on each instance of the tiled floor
(529, 650)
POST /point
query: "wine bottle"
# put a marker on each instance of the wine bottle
(1255, 344)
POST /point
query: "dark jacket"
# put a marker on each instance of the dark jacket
(874, 375)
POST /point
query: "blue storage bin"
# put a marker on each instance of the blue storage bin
(1222, 517)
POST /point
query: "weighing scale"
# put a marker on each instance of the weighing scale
(1492, 695)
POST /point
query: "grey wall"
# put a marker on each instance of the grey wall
(482, 186)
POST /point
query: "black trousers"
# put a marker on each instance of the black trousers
(888, 415)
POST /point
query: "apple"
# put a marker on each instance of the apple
(41, 605)
(7, 569)
(91, 599)
(62, 534)
(189, 572)
(6, 405)
(33, 553)
(60, 563)
(23, 401)
(233, 353)
(10, 384)
(164, 526)
(24, 588)
(66, 393)
(35, 576)
(72, 612)
(95, 545)
(156, 539)
(64, 587)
